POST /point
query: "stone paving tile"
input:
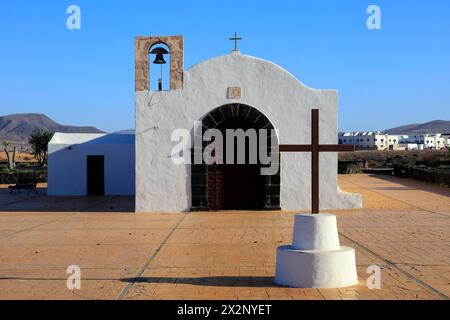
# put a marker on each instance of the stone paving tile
(398, 234)
(375, 200)
(363, 257)
(188, 255)
(89, 256)
(423, 253)
(51, 283)
(258, 283)
(207, 239)
(399, 193)
(123, 217)
(84, 237)
(111, 223)
(11, 224)
(226, 220)
(393, 219)
(404, 228)
(231, 236)
(249, 283)
(10, 217)
(6, 233)
(394, 285)
(436, 276)
(397, 286)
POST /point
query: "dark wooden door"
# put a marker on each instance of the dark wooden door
(235, 187)
(242, 187)
(95, 175)
(215, 187)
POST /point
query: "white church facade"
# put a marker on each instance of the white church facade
(232, 91)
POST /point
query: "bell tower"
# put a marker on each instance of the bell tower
(143, 45)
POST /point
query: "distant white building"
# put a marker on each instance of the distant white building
(375, 140)
(446, 139)
(91, 164)
(378, 140)
(430, 141)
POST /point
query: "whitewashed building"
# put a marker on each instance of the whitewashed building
(91, 164)
(430, 141)
(381, 141)
(230, 91)
(446, 139)
(371, 140)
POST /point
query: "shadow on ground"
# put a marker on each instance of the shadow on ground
(210, 281)
(40, 202)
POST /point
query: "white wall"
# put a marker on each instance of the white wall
(67, 174)
(163, 186)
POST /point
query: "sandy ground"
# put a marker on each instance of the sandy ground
(404, 228)
(20, 157)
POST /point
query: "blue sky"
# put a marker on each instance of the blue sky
(389, 77)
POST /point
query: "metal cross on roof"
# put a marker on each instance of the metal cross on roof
(235, 41)
(315, 148)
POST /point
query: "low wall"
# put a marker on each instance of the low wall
(390, 159)
(350, 166)
(11, 178)
(423, 173)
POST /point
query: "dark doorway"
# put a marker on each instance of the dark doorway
(234, 186)
(95, 175)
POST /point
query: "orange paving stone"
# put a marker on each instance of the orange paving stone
(404, 228)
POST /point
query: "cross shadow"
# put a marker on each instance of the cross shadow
(393, 188)
(218, 281)
(411, 184)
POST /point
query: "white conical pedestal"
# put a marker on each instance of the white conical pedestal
(316, 258)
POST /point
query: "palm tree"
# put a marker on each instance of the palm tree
(39, 140)
(11, 159)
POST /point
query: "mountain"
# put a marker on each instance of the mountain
(438, 126)
(18, 127)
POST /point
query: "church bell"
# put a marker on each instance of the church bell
(159, 52)
(159, 59)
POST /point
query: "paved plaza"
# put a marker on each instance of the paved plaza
(404, 229)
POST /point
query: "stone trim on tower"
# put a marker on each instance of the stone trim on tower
(141, 56)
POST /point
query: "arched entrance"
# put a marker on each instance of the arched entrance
(234, 186)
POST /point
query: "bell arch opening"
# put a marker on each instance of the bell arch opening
(235, 185)
(159, 67)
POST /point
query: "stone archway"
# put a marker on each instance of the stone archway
(233, 187)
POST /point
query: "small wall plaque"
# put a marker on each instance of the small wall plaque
(234, 92)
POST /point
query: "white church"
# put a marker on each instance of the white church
(227, 92)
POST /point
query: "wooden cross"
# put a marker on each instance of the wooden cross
(315, 148)
(235, 41)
